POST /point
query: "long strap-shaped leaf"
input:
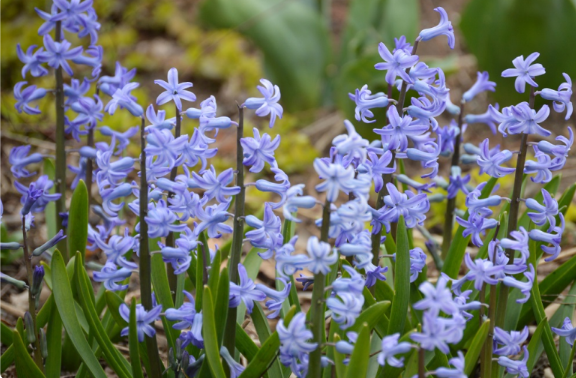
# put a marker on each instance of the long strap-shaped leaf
(133, 343)
(78, 221)
(25, 366)
(54, 343)
(65, 303)
(263, 330)
(358, 365)
(7, 358)
(401, 301)
(116, 360)
(210, 337)
(164, 296)
(475, 348)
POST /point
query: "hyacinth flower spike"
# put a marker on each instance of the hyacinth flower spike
(395, 63)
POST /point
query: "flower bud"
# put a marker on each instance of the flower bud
(49, 244)
(43, 343)
(10, 246)
(185, 360)
(29, 323)
(37, 278)
(6, 279)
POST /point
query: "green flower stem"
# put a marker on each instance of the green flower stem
(317, 306)
(145, 261)
(172, 279)
(238, 232)
(513, 216)
(451, 204)
(31, 298)
(421, 363)
(60, 174)
(379, 203)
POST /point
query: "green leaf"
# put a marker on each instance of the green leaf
(65, 304)
(25, 366)
(7, 358)
(113, 301)
(222, 302)
(534, 345)
(497, 31)
(213, 278)
(339, 366)
(50, 212)
(210, 337)
(54, 343)
(288, 230)
(358, 365)
(116, 360)
(5, 334)
(371, 316)
(475, 348)
(133, 343)
(245, 344)
(283, 45)
(78, 220)
(163, 295)
(263, 330)
(401, 281)
(458, 246)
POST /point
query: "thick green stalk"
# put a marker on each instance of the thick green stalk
(60, 174)
(317, 305)
(486, 357)
(172, 279)
(451, 205)
(238, 232)
(145, 261)
(31, 298)
(513, 216)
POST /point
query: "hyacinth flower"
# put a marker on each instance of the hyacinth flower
(110, 194)
(542, 167)
(352, 146)
(49, 244)
(518, 242)
(482, 271)
(277, 298)
(510, 341)
(214, 186)
(400, 128)
(294, 344)
(567, 330)
(179, 258)
(545, 212)
(32, 61)
(417, 263)
(475, 203)
(476, 226)
(185, 203)
(212, 219)
(560, 98)
(165, 147)
(374, 273)
(122, 76)
(547, 237)
(559, 151)
(322, 256)
(109, 172)
(457, 182)
(91, 26)
(50, 18)
(73, 11)
(418, 186)
(516, 367)
(174, 91)
(346, 307)
(143, 320)
(528, 120)
(337, 178)
(89, 111)
(158, 120)
(57, 54)
(24, 97)
(246, 291)
(196, 150)
(359, 247)
(19, 159)
(524, 286)
(123, 99)
(94, 59)
(352, 284)
(437, 298)
(187, 317)
(391, 348)
(490, 161)
(294, 201)
(377, 166)
(259, 150)
(413, 207)
(281, 187)
(268, 105)
(234, 367)
(111, 274)
(123, 138)
(395, 63)
(435, 333)
(208, 120)
(524, 71)
(428, 158)
(40, 191)
(161, 220)
(482, 84)
(266, 233)
(116, 247)
(286, 263)
(486, 118)
(448, 135)
(443, 28)
(365, 100)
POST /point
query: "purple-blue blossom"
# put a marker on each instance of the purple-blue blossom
(187, 317)
(212, 219)
(50, 243)
(89, 111)
(294, 201)
(490, 160)
(396, 133)
(443, 28)
(143, 320)
(24, 97)
(116, 247)
(246, 291)
(561, 97)
(417, 263)
(352, 146)
(122, 76)
(179, 258)
(158, 120)
(542, 167)
(214, 186)
(413, 207)
(346, 307)
(196, 150)
(50, 18)
(40, 190)
(476, 226)
(457, 182)
(365, 100)
(174, 91)
(111, 275)
(545, 212)
(435, 333)
(553, 237)
(19, 159)
(481, 271)
(166, 148)
(360, 247)
(428, 157)
(32, 61)
(354, 283)
(390, 347)
(567, 330)
(437, 298)
(395, 63)
(268, 105)
(524, 71)
(234, 367)
(515, 367)
(294, 344)
(161, 220)
(486, 118)
(57, 54)
(482, 84)
(559, 151)
(281, 187)
(458, 371)
(525, 287)
(123, 99)
(377, 166)
(518, 242)
(337, 178)
(509, 342)
(185, 203)
(322, 256)
(259, 150)
(277, 297)
(267, 233)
